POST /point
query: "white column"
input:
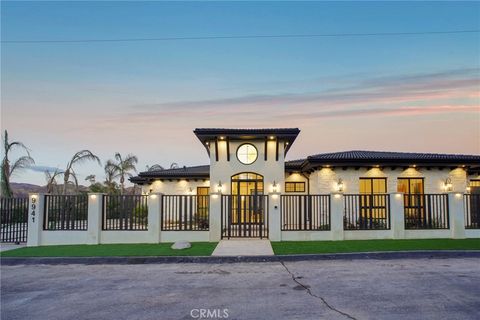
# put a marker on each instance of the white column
(336, 216)
(95, 213)
(397, 215)
(36, 206)
(274, 229)
(456, 215)
(154, 216)
(215, 216)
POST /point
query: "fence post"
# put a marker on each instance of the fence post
(155, 202)
(95, 214)
(274, 232)
(397, 215)
(336, 215)
(456, 215)
(215, 217)
(36, 208)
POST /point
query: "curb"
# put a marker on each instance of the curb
(382, 255)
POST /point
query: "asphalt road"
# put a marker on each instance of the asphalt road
(342, 289)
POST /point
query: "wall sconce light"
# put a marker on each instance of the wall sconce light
(150, 191)
(190, 190)
(467, 189)
(275, 186)
(340, 185)
(219, 187)
(447, 185)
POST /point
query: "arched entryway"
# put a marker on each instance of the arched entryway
(244, 212)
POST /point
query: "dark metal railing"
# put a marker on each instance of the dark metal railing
(244, 216)
(305, 212)
(366, 212)
(65, 212)
(185, 212)
(14, 219)
(125, 212)
(426, 211)
(472, 211)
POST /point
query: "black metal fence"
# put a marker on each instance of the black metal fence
(366, 212)
(472, 211)
(426, 211)
(305, 212)
(185, 212)
(14, 219)
(244, 216)
(125, 212)
(66, 212)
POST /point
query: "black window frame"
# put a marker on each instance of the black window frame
(295, 184)
(374, 178)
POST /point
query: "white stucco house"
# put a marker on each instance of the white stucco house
(249, 190)
(247, 168)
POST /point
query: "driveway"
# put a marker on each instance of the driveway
(342, 289)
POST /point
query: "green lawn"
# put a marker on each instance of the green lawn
(117, 250)
(311, 247)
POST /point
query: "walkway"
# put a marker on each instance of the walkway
(243, 247)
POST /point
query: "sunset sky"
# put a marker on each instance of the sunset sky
(387, 92)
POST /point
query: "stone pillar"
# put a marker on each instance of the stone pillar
(215, 216)
(397, 215)
(274, 221)
(336, 216)
(95, 214)
(456, 215)
(36, 207)
(155, 203)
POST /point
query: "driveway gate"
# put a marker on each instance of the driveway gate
(14, 219)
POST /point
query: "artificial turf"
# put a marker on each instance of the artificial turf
(112, 250)
(312, 247)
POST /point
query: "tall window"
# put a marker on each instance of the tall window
(410, 185)
(373, 185)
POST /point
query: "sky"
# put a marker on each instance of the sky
(418, 93)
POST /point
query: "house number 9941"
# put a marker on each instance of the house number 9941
(33, 207)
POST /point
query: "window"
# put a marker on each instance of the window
(373, 185)
(410, 185)
(294, 186)
(247, 153)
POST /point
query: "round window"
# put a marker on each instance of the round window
(247, 153)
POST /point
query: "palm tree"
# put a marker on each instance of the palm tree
(79, 157)
(90, 178)
(7, 170)
(51, 179)
(121, 167)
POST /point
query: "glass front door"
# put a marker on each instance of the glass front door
(247, 200)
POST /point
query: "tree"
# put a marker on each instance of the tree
(109, 178)
(51, 179)
(78, 158)
(121, 167)
(7, 170)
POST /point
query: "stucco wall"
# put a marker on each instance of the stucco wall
(177, 187)
(325, 180)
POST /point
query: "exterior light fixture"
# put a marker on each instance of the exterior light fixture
(274, 187)
(447, 185)
(219, 187)
(340, 185)
(468, 189)
(93, 196)
(272, 137)
(190, 190)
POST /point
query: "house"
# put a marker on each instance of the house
(249, 190)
